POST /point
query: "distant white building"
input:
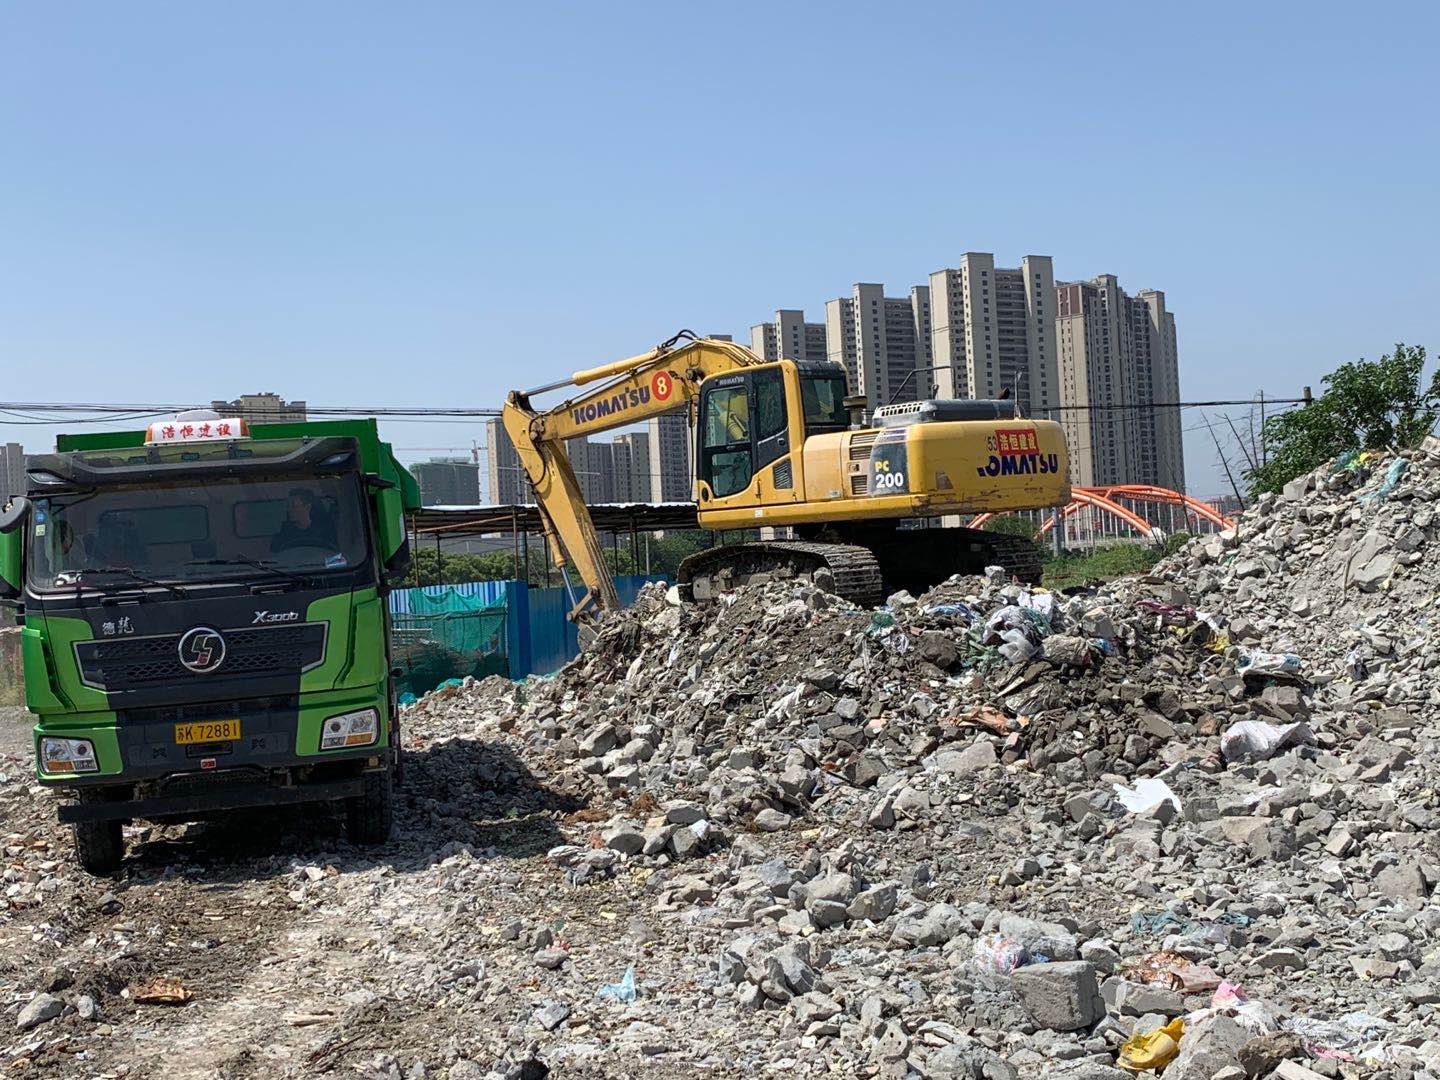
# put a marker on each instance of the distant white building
(12, 470)
(670, 476)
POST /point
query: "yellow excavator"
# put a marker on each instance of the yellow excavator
(775, 446)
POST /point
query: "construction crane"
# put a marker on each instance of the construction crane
(775, 446)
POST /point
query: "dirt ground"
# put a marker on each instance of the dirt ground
(305, 956)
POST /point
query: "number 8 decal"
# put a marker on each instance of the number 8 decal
(662, 383)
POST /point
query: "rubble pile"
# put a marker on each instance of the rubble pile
(1184, 824)
(782, 699)
(1215, 786)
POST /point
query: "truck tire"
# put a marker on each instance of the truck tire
(99, 845)
(368, 817)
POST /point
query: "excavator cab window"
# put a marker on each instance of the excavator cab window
(824, 399)
(725, 450)
(744, 427)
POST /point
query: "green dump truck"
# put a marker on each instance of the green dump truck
(204, 621)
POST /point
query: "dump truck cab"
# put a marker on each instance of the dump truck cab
(204, 626)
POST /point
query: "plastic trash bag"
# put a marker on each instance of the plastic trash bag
(1017, 646)
(999, 955)
(1259, 741)
(1173, 971)
(1146, 795)
(1010, 617)
(1042, 604)
(623, 991)
(1393, 474)
(1146, 1053)
(1269, 663)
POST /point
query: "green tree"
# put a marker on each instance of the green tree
(1012, 525)
(1367, 405)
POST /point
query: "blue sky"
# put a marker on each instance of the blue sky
(364, 203)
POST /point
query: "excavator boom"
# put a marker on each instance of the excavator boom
(664, 380)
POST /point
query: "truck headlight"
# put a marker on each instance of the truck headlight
(358, 728)
(67, 755)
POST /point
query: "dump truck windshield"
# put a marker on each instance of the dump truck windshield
(198, 532)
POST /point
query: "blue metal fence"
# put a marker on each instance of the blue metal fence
(539, 638)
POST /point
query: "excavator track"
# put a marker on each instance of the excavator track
(848, 570)
(919, 559)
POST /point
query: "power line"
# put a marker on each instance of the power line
(154, 409)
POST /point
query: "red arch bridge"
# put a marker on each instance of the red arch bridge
(1122, 511)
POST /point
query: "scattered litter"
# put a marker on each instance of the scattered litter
(1147, 794)
(1270, 663)
(1256, 740)
(1173, 971)
(1397, 469)
(1146, 1053)
(161, 991)
(624, 990)
(999, 955)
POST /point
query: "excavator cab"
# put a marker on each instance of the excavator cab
(752, 422)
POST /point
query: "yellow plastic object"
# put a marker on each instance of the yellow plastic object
(1145, 1053)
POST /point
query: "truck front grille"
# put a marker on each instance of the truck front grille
(112, 664)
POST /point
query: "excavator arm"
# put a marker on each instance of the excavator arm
(664, 380)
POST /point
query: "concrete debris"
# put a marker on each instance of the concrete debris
(833, 841)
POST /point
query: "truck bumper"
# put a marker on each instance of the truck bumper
(230, 798)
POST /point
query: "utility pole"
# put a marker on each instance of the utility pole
(1224, 461)
(1263, 455)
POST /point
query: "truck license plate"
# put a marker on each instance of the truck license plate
(207, 731)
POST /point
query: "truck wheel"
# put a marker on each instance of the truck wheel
(368, 817)
(99, 845)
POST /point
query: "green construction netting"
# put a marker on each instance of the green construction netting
(447, 636)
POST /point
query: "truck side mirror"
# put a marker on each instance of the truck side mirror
(14, 515)
(12, 518)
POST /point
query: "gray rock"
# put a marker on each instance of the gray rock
(625, 839)
(978, 755)
(876, 903)
(552, 1015)
(1374, 573)
(551, 959)
(41, 1009)
(772, 820)
(1040, 938)
(1403, 881)
(1207, 1047)
(1137, 999)
(1060, 995)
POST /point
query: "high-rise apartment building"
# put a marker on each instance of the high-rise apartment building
(506, 482)
(789, 337)
(994, 329)
(594, 467)
(453, 481)
(631, 452)
(1118, 357)
(670, 478)
(12, 470)
(882, 341)
(262, 408)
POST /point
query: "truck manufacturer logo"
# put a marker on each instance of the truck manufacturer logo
(202, 650)
(274, 617)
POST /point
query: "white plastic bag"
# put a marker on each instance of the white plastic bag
(1259, 741)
